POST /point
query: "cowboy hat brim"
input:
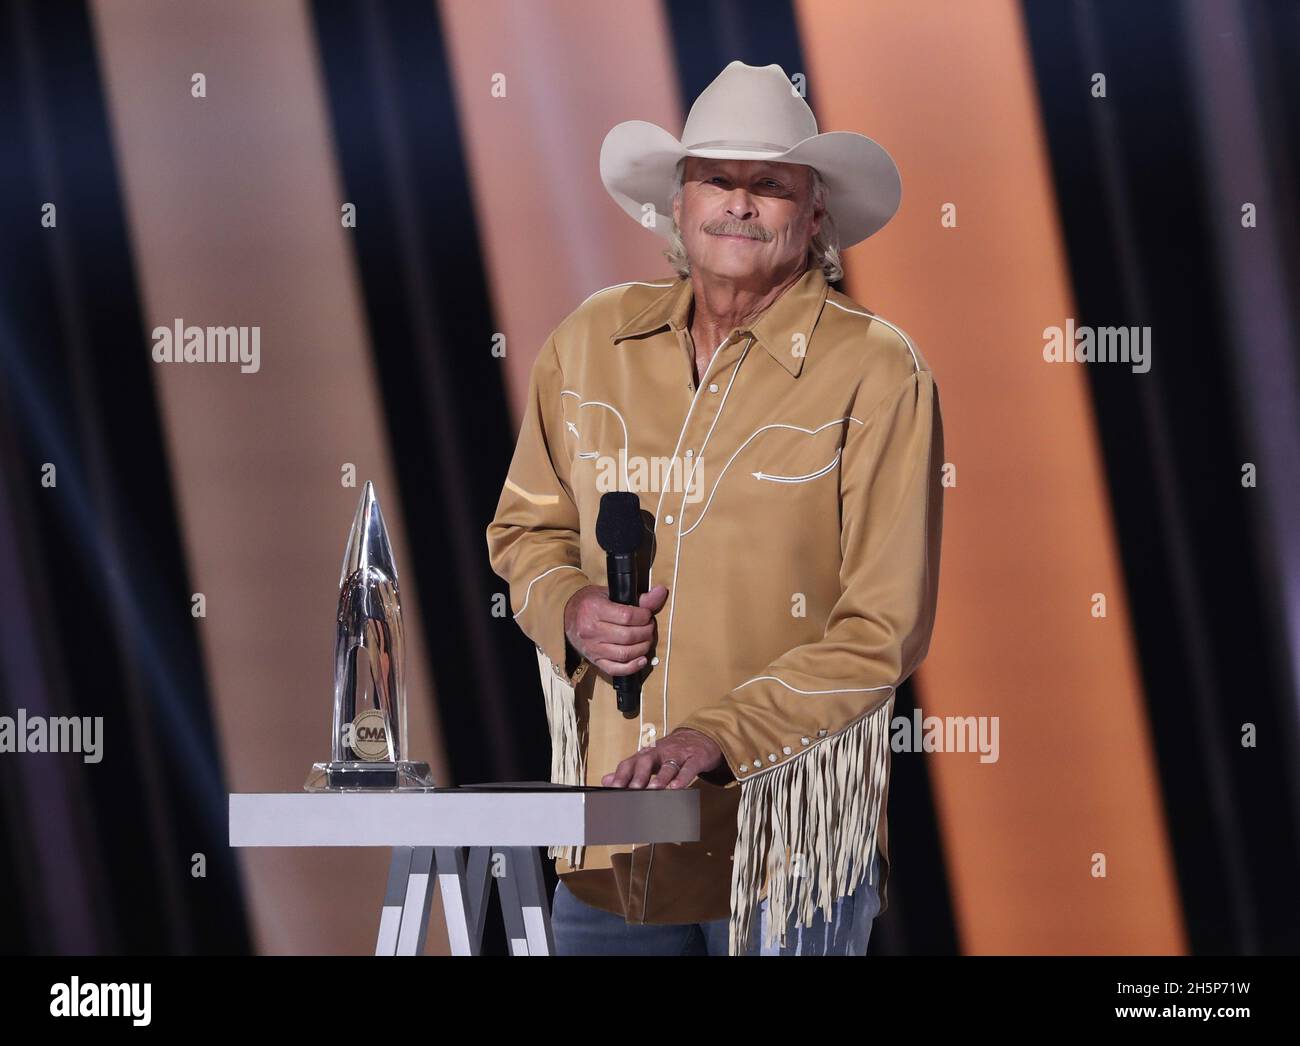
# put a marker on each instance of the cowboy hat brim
(637, 160)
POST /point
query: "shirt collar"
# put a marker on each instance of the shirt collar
(795, 312)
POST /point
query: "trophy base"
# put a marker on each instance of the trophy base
(357, 776)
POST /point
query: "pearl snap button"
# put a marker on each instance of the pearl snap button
(690, 453)
(786, 749)
(743, 767)
(668, 519)
(804, 740)
(713, 387)
(821, 733)
(654, 660)
(772, 757)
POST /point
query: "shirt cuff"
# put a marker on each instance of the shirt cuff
(746, 755)
(545, 623)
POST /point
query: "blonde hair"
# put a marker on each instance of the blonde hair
(823, 249)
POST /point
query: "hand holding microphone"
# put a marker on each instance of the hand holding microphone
(614, 628)
(617, 639)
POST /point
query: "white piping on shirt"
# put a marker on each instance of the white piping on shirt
(681, 509)
(844, 690)
(529, 590)
(770, 477)
(841, 690)
(640, 726)
(571, 426)
(672, 592)
(589, 454)
(615, 286)
(678, 446)
(897, 330)
(813, 742)
(774, 425)
(626, 442)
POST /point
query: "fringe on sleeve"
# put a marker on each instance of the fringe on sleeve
(809, 827)
(568, 763)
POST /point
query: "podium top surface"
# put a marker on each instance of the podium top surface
(506, 814)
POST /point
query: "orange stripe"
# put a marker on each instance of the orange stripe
(948, 90)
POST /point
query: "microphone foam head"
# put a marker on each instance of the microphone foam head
(619, 527)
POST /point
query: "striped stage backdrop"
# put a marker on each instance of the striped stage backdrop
(388, 192)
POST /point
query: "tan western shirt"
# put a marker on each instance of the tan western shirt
(793, 508)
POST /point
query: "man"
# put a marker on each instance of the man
(785, 444)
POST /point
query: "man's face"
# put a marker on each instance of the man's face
(746, 220)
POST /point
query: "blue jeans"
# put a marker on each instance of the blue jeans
(581, 929)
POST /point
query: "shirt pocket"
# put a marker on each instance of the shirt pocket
(783, 470)
(790, 459)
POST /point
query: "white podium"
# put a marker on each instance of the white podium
(468, 837)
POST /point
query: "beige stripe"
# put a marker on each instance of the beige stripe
(551, 235)
(1028, 533)
(233, 210)
(536, 499)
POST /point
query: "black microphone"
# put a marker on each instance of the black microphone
(618, 532)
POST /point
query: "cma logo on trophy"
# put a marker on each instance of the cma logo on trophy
(368, 735)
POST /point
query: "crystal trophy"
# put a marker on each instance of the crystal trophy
(368, 743)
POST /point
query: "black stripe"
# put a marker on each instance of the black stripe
(707, 36)
(104, 573)
(430, 318)
(1132, 191)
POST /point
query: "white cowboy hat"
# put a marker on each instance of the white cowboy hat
(752, 113)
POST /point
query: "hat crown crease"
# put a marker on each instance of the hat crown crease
(746, 104)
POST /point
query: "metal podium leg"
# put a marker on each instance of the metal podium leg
(524, 907)
(419, 896)
(512, 913)
(404, 920)
(390, 918)
(464, 887)
(465, 884)
(537, 908)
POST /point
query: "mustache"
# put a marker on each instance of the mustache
(738, 228)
